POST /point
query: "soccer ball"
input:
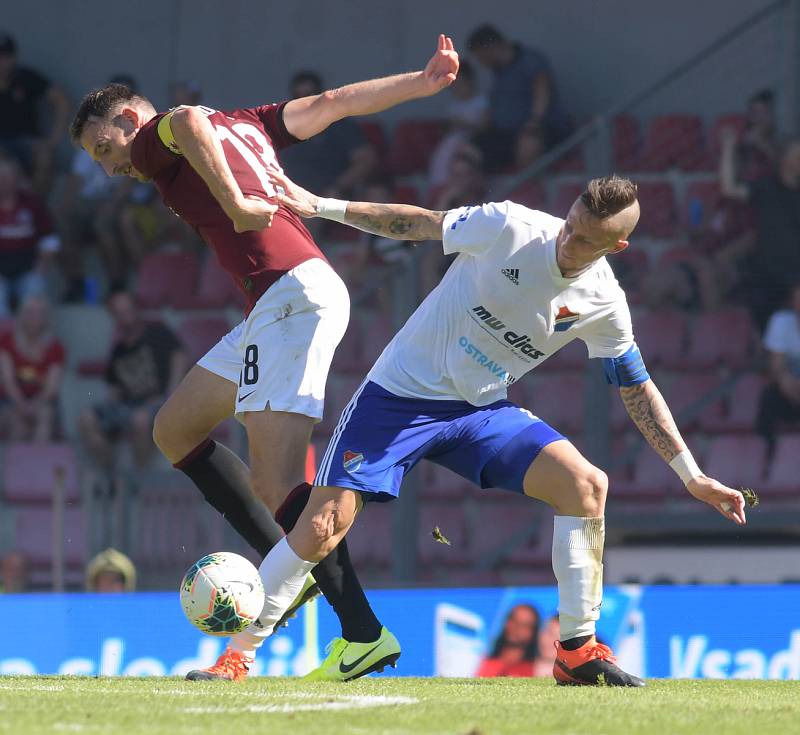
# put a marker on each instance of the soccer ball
(222, 593)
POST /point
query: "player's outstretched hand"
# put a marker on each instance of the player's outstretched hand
(442, 69)
(253, 213)
(726, 500)
(293, 196)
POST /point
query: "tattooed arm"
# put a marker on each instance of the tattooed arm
(649, 411)
(397, 221)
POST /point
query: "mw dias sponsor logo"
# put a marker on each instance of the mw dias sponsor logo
(516, 341)
(351, 461)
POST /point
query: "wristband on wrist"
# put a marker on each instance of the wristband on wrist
(333, 209)
(685, 466)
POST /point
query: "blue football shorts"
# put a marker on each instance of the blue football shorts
(381, 436)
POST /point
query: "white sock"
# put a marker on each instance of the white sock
(578, 566)
(283, 574)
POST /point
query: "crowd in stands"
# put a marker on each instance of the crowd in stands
(726, 241)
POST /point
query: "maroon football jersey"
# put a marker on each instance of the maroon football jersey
(250, 138)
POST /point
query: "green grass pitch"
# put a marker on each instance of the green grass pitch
(170, 706)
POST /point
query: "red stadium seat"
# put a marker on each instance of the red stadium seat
(530, 194)
(626, 139)
(30, 472)
(199, 335)
(404, 194)
(735, 120)
(673, 141)
(686, 391)
(742, 407)
(738, 460)
(723, 337)
(558, 400)
(572, 162)
(413, 142)
(33, 535)
(370, 539)
(783, 477)
(565, 198)
(168, 279)
(659, 213)
(375, 135)
(703, 199)
(652, 479)
(216, 288)
(449, 519)
(661, 336)
(439, 483)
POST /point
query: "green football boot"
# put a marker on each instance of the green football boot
(347, 661)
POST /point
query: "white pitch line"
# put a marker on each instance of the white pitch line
(344, 703)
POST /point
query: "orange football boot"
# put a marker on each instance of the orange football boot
(231, 665)
(592, 664)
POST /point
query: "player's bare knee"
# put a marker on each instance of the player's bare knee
(592, 487)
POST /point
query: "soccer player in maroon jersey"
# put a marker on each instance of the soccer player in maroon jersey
(212, 169)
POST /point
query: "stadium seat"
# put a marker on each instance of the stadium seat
(348, 357)
(370, 539)
(625, 140)
(659, 212)
(411, 146)
(375, 135)
(689, 389)
(558, 400)
(565, 198)
(168, 279)
(652, 479)
(30, 472)
(216, 289)
(571, 357)
(499, 517)
(377, 332)
(199, 335)
(738, 460)
(735, 120)
(33, 535)
(661, 336)
(530, 194)
(723, 337)
(673, 141)
(702, 201)
(572, 162)
(783, 478)
(405, 194)
(742, 406)
(450, 520)
(440, 483)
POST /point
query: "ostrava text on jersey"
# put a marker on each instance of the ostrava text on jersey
(501, 310)
(250, 138)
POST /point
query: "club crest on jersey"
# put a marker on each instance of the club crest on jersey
(565, 319)
(351, 461)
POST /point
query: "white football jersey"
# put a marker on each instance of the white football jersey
(501, 310)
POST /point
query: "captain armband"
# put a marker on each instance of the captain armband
(164, 131)
(626, 370)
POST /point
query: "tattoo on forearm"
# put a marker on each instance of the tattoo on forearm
(652, 416)
(385, 220)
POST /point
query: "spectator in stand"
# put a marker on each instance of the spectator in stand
(185, 92)
(28, 242)
(780, 400)
(774, 263)
(147, 362)
(517, 646)
(14, 573)
(523, 94)
(757, 149)
(338, 160)
(110, 571)
(31, 367)
(21, 92)
(467, 114)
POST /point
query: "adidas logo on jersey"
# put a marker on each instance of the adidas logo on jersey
(512, 274)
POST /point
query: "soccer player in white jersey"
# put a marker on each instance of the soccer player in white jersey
(524, 284)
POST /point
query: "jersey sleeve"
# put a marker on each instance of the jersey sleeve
(611, 336)
(473, 230)
(271, 117)
(150, 151)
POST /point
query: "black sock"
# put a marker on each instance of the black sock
(336, 577)
(573, 644)
(224, 481)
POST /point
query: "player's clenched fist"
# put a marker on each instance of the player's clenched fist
(726, 500)
(252, 214)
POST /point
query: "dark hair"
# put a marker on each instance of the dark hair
(306, 76)
(531, 651)
(484, 36)
(98, 103)
(607, 196)
(764, 96)
(465, 69)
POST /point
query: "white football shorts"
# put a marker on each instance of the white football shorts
(279, 356)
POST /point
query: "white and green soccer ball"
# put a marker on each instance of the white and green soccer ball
(222, 593)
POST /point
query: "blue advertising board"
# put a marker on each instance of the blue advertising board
(697, 632)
